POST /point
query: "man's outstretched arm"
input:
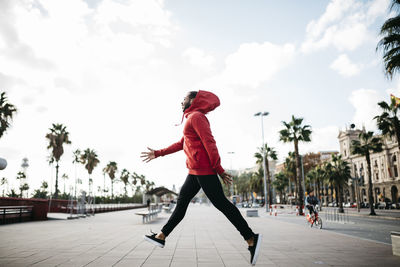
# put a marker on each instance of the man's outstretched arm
(152, 154)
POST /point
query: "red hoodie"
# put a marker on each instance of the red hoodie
(197, 141)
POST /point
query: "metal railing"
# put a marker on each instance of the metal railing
(333, 215)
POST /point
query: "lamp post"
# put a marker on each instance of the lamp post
(262, 114)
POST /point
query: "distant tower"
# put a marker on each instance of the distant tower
(173, 188)
(345, 138)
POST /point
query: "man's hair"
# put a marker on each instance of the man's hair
(192, 94)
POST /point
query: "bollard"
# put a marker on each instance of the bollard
(276, 211)
(270, 210)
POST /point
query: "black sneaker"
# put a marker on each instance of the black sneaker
(255, 249)
(155, 241)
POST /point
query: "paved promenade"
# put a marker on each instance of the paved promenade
(204, 238)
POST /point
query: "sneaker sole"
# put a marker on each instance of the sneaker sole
(153, 242)
(258, 246)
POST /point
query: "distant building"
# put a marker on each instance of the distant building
(384, 168)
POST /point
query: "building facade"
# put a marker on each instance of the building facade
(384, 169)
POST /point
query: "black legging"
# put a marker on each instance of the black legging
(213, 189)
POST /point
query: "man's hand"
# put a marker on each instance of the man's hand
(226, 178)
(148, 156)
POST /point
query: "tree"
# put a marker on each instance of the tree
(24, 187)
(20, 177)
(290, 170)
(111, 169)
(256, 182)
(390, 43)
(267, 153)
(76, 160)
(57, 137)
(367, 144)
(64, 177)
(316, 176)
(339, 176)
(90, 159)
(125, 179)
(280, 183)
(3, 182)
(42, 192)
(7, 112)
(295, 132)
(388, 122)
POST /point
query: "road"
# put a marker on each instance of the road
(376, 229)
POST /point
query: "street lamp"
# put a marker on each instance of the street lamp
(262, 114)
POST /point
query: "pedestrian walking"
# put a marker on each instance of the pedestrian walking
(204, 164)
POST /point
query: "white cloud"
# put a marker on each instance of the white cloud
(345, 67)
(344, 25)
(199, 58)
(254, 63)
(365, 102)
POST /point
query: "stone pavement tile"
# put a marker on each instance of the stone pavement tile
(104, 261)
(53, 260)
(210, 264)
(156, 263)
(183, 264)
(129, 263)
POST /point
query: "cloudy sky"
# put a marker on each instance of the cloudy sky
(115, 73)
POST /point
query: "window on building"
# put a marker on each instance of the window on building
(345, 154)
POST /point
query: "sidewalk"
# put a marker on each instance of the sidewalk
(204, 238)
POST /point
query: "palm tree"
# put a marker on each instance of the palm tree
(64, 177)
(20, 177)
(111, 169)
(268, 153)
(125, 179)
(388, 122)
(75, 161)
(295, 132)
(57, 137)
(135, 177)
(280, 183)
(339, 177)
(367, 144)
(390, 43)
(7, 111)
(290, 170)
(24, 187)
(3, 182)
(90, 159)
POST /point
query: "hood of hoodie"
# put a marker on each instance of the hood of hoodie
(204, 102)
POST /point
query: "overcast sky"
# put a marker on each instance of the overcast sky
(115, 73)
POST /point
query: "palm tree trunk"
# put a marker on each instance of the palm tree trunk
(56, 193)
(268, 181)
(370, 197)
(298, 175)
(112, 189)
(318, 195)
(341, 210)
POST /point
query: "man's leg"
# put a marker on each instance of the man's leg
(189, 189)
(213, 189)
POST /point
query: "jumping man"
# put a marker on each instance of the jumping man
(204, 166)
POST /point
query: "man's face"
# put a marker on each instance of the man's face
(186, 102)
(311, 194)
